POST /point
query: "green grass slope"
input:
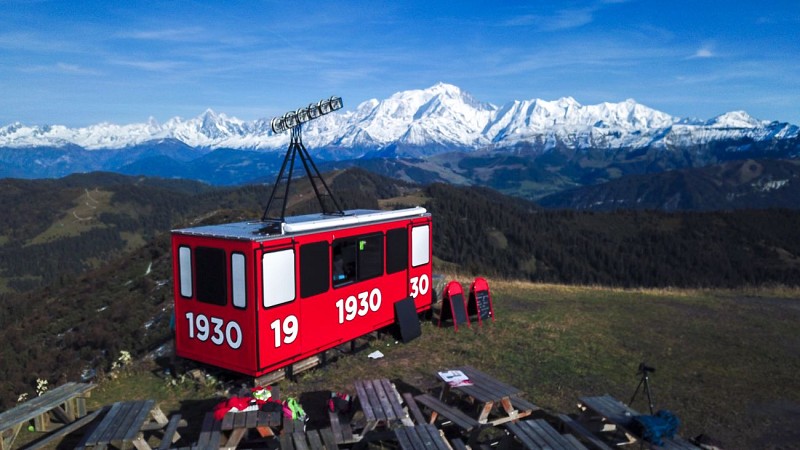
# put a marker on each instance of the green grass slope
(726, 361)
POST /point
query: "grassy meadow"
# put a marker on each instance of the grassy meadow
(726, 361)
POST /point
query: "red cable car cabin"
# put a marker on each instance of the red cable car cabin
(252, 303)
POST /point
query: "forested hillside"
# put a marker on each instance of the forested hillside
(107, 286)
(484, 232)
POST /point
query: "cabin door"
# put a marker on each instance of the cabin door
(279, 320)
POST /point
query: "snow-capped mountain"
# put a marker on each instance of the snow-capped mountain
(438, 119)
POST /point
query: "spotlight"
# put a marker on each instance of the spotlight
(313, 111)
(325, 106)
(277, 125)
(290, 119)
(302, 115)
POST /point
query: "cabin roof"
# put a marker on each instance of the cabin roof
(256, 230)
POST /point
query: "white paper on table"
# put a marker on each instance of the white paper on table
(455, 378)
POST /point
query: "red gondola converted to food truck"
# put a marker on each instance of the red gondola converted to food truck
(252, 302)
(254, 297)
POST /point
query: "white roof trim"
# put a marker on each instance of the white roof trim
(352, 220)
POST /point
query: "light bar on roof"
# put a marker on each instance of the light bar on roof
(314, 110)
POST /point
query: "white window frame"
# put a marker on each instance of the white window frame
(238, 280)
(420, 245)
(278, 277)
(185, 270)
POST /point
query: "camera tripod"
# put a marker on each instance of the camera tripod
(644, 370)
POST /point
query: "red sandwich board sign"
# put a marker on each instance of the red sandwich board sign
(453, 305)
(480, 301)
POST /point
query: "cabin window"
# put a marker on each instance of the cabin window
(396, 250)
(343, 265)
(211, 275)
(420, 245)
(238, 281)
(314, 269)
(370, 256)
(185, 269)
(356, 259)
(277, 269)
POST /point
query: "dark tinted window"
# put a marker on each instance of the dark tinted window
(356, 259)
(343, 264)
(313, 269)
(370, 256)
(211, 275)
(396, 250)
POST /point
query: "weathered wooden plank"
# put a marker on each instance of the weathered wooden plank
(105, 425)
(206, 431)
(299, 440)
(329, 439)
(432, 438)
(133, 428)
(528, 440)
(227, 421)
(169, 432)
(413, 408)
(573, 426)
(386, 411)
(407, 439)
(392, 393)
(315, 440)
(458, 417)
(286, 442)
(365, 400)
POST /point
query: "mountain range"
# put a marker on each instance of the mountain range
(529, 148)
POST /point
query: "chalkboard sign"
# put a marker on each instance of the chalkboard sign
(453, 305)
(480, 300)
(405, 314)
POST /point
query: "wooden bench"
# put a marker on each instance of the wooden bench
(439, 408)
(420, 437)
(67, 402)
(63, 431)
(312, 440)
(617, 413)
(538, 434)
(576, 428)
(124, 423)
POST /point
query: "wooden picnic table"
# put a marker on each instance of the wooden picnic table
(66, 402)
(124, 423)
(613, 411)
(380, 402)
(538, 434)
(488, 392)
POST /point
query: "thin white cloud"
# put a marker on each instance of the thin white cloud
(152, 66)
(703, 52)
(186, 34)
(565, 19)
(61, 68)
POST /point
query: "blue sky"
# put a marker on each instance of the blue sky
(82, 62)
